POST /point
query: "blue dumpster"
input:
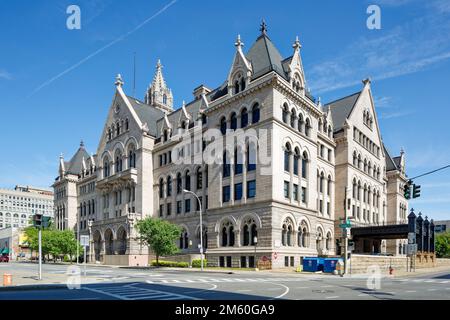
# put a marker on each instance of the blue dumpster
(329, 264)
(313, 264)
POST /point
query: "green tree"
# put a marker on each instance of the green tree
(442, 245)
(159, 235)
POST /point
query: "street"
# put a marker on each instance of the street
(112, 283)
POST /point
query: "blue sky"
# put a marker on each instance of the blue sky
(57, 84)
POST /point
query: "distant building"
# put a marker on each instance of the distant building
(19, 205)
(442, 226)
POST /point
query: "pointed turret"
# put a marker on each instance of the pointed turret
(158, 94)
(62, 166)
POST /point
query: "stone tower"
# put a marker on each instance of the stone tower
(158, 94)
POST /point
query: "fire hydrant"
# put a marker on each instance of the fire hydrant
(391, 270)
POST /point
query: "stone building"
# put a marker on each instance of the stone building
(269, 163)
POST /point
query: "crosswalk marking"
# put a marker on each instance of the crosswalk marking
(131, 292)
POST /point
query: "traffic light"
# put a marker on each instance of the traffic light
(45, 222)
(407, 190)
(37, 220)
(416, 191)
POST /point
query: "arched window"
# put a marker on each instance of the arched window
(223, 125)
(293, 118)
(199, 178)
(301, 123)
(161, 188)
(132, 158)
(169, 186)
(227, 234)
(359, 161)
(226, 165)
(184, 239)
(255, 113)
(106, 169)
(165, 135)
(118, 162)
(355, 159)
(305, 165)
(308, 127)
(242, 84)
(187, 181)
(329, 186)
(303, 235)
(127, 124)
(296, 160)
(117, 129)
(358, 196)
(355, 190)
(236, 87)
(319, 239)
(179, 183)
(233, 121)
(287, 232)
(285, 113)
(328, 241)
(321, 183)
(287, 155)
(249, 232)
(244, 118)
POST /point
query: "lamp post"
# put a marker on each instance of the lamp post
(90, 222)
(255, 241)
(78, 234)
(201, 227)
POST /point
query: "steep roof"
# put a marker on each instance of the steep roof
(74, 165)
(265, 57)
(390, 163)
(341, 109)
(147, 114)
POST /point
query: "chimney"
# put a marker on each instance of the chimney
(201, 89)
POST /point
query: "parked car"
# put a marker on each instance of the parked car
(4, 258)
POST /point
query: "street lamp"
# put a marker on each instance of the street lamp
(90, 222)
(255, 241)
(201, 227)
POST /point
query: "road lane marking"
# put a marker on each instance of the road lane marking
(284, 293)
(410, 291)
(332, 297)
(432, 289)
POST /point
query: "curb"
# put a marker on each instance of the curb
(26, 287)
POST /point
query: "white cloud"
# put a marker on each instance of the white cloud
(5, 75)
(414, 46)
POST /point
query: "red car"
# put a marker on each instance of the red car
(4, 258)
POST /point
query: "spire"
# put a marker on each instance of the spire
(62, 168)
(158, 94)
(81, 144)
(263, 28)
(239, 43)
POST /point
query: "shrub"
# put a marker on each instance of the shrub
(196, 263)
(176, 264)
(66, 258)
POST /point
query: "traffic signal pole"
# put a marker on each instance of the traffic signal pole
(40, 252)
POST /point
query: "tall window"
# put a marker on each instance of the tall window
(226, 194)
(199, 178)
(161, 188)
(251, 189)
(244, 118)
(179, 183)
(187, 181)
(223, 125)
(169, 186)
(308, 127)
(287, 154)
(238, 191)
(237, 161)
(296, 160)
(255, 113)
(132, 159)
(251, 157)
(301, 123)
(226, 165)
(286, 189)
(305, 165)
(233, 121)
(106, 169)
(285, 113)
(293, 118)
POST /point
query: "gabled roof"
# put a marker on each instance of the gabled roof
(74, 165)
(341, 109)
(390, 163)
(147, 114)
(265, 57)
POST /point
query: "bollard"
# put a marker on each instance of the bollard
(7, 279)
(391, 270)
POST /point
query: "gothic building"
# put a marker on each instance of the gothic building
(284, 164)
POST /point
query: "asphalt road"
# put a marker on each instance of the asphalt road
(109, 283)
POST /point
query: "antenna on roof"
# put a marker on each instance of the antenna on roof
(134, 74)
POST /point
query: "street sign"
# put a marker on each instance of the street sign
(345, 223)
(84, 241)
(411, 249)
(411, 237)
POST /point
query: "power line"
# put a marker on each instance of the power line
(430, 172)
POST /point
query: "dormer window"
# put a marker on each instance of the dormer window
(297, 83)
(239, 84)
